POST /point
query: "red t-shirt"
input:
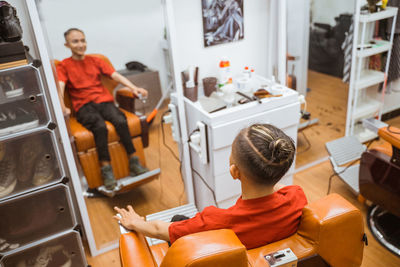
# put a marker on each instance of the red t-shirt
(82, 79)
(256, 222)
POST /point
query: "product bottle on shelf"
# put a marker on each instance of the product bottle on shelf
(224, 72)
(246, 73)
(228, 91)
(252, 82)
(243, 81)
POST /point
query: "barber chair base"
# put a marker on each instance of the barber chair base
(127, 183)
(384, 227)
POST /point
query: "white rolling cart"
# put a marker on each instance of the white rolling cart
(210, 155)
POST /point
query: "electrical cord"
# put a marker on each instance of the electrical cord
(206, 184)
(308, 144)
(198, 174)
(180, 162)
(173, 154)
(346, 168)
(163, 135)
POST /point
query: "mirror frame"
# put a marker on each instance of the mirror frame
(274, 44)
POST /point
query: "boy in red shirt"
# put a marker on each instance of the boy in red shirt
(265, 213)
(94, 104)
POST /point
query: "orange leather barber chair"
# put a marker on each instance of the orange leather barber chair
(85, 144)
(330, 234)
(375, 180)
(379, 181)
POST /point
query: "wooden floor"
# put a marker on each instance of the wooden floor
(327, 100)
(164, 192)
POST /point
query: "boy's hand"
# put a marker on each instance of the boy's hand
(66, 111)
(140, 91)
(129, 218)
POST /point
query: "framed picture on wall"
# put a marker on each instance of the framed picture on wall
(222, 21)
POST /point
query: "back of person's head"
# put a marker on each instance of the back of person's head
(67, 32)
(264, 152)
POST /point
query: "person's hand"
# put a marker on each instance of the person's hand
(140, 91)
(129, 218)
(66, 111)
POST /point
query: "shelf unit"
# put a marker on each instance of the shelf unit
(39, 219)
(363, 102)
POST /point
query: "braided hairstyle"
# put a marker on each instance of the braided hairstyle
(265, 152)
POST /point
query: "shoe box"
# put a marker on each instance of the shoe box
(61, 250)
(22, 104)
(28, 163)
(35, 216)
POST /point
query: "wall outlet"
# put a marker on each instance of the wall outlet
(176, 131)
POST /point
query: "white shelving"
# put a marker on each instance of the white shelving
(369, 78)
(387, 13)
(363, 134)
(366, 108)
(364, 101)
(377, 48)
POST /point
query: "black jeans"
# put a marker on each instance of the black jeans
(93, 116)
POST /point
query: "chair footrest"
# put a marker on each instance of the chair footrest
(345, 149)
(124, 182)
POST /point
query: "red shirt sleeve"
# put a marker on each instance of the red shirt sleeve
(104, 67)
(62, 73)
(203, 221)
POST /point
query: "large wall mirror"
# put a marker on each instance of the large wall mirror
(316, 65)
(124, 32)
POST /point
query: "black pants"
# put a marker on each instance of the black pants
(93, 116)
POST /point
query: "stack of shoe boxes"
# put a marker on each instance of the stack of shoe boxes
(37, 217)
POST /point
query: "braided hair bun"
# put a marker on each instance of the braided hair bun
(265, 151)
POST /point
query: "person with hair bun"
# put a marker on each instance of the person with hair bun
(265, 212)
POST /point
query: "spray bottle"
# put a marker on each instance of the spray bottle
(224, 72)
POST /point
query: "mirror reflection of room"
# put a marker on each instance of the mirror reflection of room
(324, 85)
(95, 67)
(208, 133)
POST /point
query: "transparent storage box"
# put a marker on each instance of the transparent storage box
(34, 216)
(63, 250)
(28, 162)
(22, 103)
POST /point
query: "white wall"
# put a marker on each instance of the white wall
(298, 40)
(123, 30)
(251, 51)
(325, 11)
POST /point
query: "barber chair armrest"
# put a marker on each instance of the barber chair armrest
(126, 99)
(212, 248)
(391, 135)
(337, 227)
(134, 251)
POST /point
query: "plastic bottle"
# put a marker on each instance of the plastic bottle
(252, 82)
(229, 93)
(224, 72)
(246, 73)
